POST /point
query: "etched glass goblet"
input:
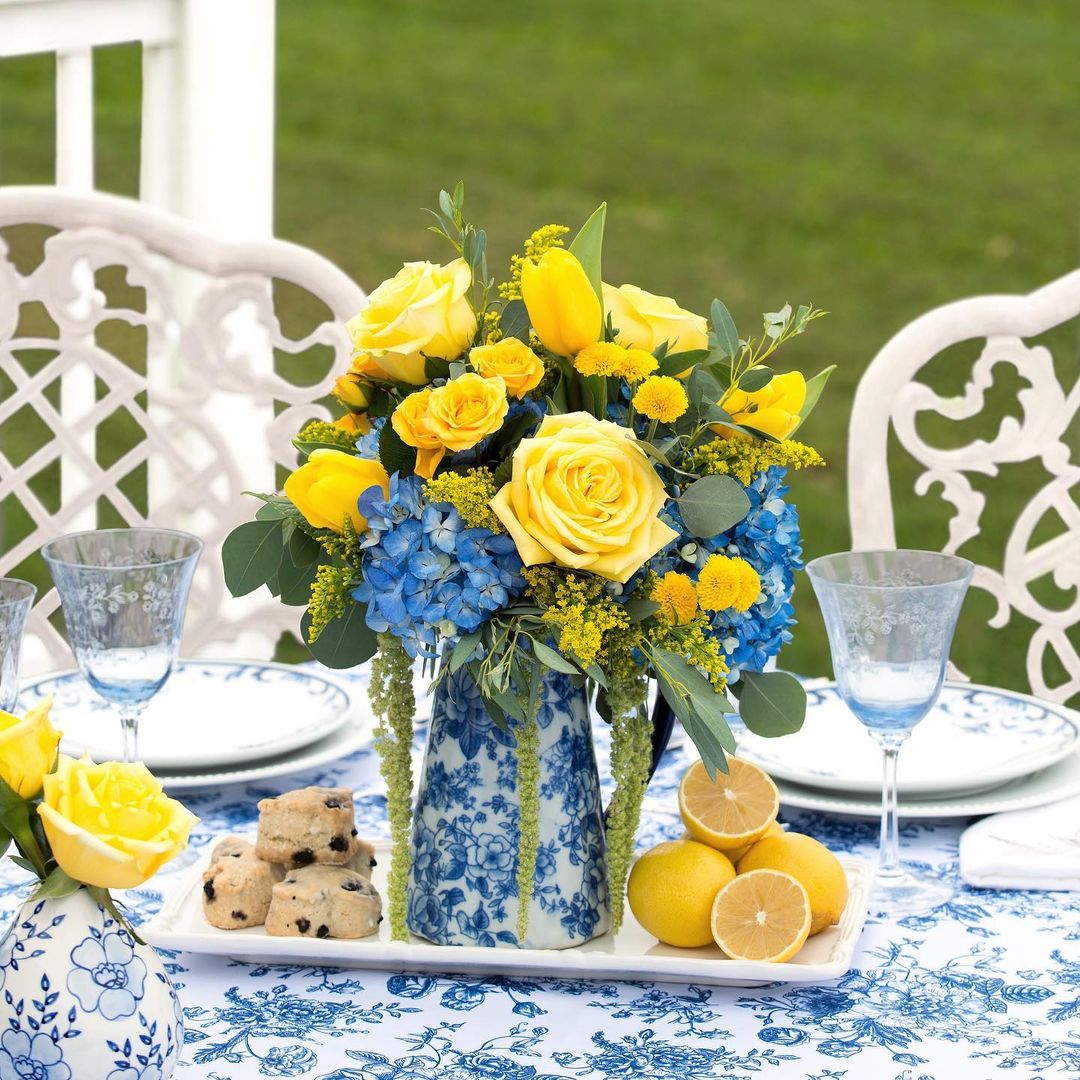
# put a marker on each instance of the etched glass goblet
(16, 599)
(124, 593)
(890, 617)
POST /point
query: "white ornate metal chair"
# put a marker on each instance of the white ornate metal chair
(179, 332)
(890, 399)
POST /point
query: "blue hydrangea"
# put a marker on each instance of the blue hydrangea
(367, 446)
(426, 575)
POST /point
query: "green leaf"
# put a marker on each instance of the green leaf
(435, 367)
(514, 320)
(269, 512)
(512, 432)
(588, 246)
(640, 609)
(55, 886)
(727, 337)
(510, 704)
(755, 378)
(677, 363)
(703, 389)
(551, 659)
(596, 673)
(5, 841)
(294, 582)
(303, 549)
(345, 642)
(395, 455)
(709, 743)
(463, 650)
(772, 703)
(712, 505)
(251, 554)
(776, 321)
(814, 387)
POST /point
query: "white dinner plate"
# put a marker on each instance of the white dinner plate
(632, 954)
(210, 713)
(975, 738)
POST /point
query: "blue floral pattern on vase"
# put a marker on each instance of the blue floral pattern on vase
(463, 880)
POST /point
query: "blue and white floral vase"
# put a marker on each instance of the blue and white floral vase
(80, 999)
(463, 881)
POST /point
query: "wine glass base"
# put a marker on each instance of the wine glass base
(908, 893)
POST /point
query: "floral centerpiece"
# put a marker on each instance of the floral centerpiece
(83, 995)
(549, 491)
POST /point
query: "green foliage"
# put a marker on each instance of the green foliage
(514, 321)
(814, 388)
(724, 337)
(396, 456)
(345, 642)
(713, 505)
(251, 555)
(588, 248)
(771, 703)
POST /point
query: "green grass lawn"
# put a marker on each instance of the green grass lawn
(878, 159)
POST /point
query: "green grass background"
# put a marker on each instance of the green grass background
(876, 158)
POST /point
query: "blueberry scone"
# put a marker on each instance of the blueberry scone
(237, 886)
(324, 901)
(362, 859)
(310, 825)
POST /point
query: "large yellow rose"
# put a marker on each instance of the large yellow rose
(111, 825)
(773, 409)
(325, 488)
(511, 359)
(645, 321)
(582, 494)
(563, 306)
(410, 422)
(27, 749)
(423, 310)
(467, 409)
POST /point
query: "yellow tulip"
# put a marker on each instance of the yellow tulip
(111, 825)
(27, 749)
(773, 409)
(325, 488)
(563, 307)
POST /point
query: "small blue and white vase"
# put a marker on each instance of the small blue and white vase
(80, 999)
(463, 881)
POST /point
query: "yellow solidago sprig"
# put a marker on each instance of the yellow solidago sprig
(578, 609)
(469, 493)
(746, 458)
(336, 434)
(661, 398)
(727, 583)
(545, 238)
(331, 595)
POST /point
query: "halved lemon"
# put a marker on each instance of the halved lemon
(730, 811)
(761, 915)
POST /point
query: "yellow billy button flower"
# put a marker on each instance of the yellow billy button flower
(662, 398)
(583, 495)
(637, 364)
(773, 409)
(600, 358)
(677, 598)
(27, 749)
(511, 359)
(410, 422)
(325, 488)
(466, 410)
(111, 825)
(645, 321)
(563, 308)
(727, 583)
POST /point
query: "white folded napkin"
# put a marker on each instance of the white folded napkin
(1024, 849)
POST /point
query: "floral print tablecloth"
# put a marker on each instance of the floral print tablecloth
(988, 985)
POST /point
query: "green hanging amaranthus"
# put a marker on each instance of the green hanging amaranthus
(528, 783)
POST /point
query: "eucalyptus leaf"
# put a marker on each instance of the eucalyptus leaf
(588, 246)
(514, 320)
(269, 512)
(508, 701)
(251, 554)
(755, 378)
(303, 549)
(551, 659)
(294, 582)
(712, 505)
(772, 703)
(708, 744)
(677, 363)
(596, 673)
(345, 642)
(463, 650)
(640, 609)
(727, 337)
(814, 387)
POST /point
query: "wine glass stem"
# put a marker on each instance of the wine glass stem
(889, 855)
(129, 725)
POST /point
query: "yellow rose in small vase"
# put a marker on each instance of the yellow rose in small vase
(27, 749)
(583, 495)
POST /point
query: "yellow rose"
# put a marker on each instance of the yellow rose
(410, 422)
(27, 749)
(645, 321)
(773, 409)
(325, 488)
(520, 368)
(467, 409)
(582, 494)
(111, 825)
(423, 310)
(563, 307)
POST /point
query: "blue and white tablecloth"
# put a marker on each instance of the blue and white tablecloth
(986, 986)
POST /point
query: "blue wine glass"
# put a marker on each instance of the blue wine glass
(16, 599)
(890, 617)
(124, 593)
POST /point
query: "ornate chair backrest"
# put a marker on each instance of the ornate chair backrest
(143, 379)
(890, 399)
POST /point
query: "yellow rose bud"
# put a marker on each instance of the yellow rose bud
(410, 422)
(27, 749)
(518, 366)
(353, 391)
(466, 410)
(563, 307)
(644, 321)
(773, 409)
(583, 495)
(423, 310)
(111, 825)
(325, 488)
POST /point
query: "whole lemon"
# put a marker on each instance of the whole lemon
(735, 854)
(810, 862)
(671, 891)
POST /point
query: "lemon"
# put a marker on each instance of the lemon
(735, 854)
(671, 891)
(731, 811)
(810, 863)
(761, 915)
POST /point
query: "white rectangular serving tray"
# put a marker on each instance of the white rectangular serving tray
(632, 955)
